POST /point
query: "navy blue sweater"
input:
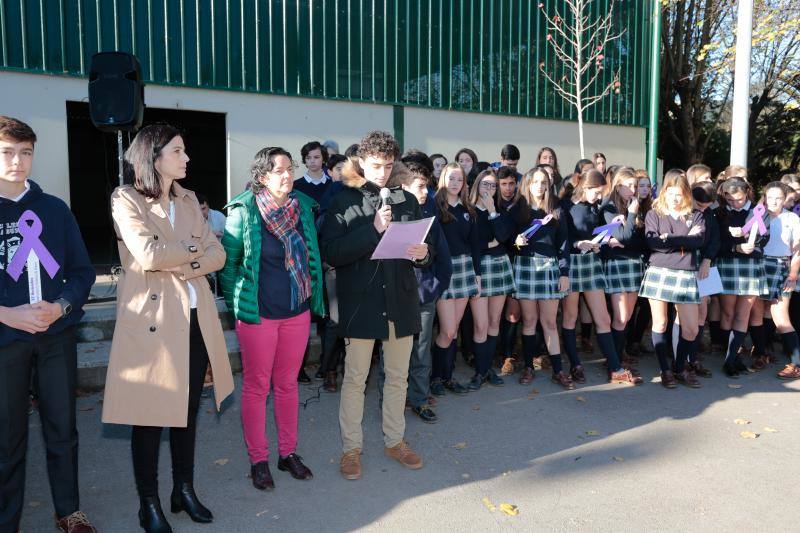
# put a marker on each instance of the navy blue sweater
(628, 234)
(274, 289)
(62, 238)
(677, 250)
(729, 218)
(501, 228)
(711, 246)
(462, 235)
(314, 191)
(582, 219)
(434, 278)
(549, 240)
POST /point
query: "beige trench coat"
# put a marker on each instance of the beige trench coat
(148, 373)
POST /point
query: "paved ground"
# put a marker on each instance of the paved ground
(601, 458)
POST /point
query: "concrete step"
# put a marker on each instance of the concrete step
(93, 358)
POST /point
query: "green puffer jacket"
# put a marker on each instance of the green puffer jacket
(242, 243)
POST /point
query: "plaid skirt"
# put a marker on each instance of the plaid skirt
(623, 275)
(586, 273)
(537, 278)
(462, 282)
(497, 279)
(670, 285)
(776, 270)
(742, 277)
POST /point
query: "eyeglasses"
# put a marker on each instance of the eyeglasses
(485, 185)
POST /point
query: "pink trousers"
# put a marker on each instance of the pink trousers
(272, 353)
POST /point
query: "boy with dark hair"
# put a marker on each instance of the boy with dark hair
(45, 278)
(315, 181)
(509, 157)
(377, 299)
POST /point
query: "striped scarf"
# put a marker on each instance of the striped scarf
(281, 221)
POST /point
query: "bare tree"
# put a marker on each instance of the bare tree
(580, 45)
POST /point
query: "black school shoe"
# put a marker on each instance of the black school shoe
(261, 476)
(425, 413)
(293, 464)
(455, 387)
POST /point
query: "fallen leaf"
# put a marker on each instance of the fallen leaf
(221, 462)
(734, 386)
(476, 407)
(741, 421)
(533, 394)
(593, 433)
(580, 399)
(770, 430)
(460, 445)
(35, 503)
(509, 509)
(748, 435)
(262, 512)
(465, 476)
(619, 459)
(489, 505)
(86, 408)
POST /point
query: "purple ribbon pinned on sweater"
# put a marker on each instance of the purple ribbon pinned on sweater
(538, 223)
(31, 243)
(757, 219)
(606, 230)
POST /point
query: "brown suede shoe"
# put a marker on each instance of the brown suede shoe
(668, 379)
(329, 385)
(577, 374)
(624, 377)
(563, 379)
(527, 376)
(509, 366)
(403, 454)
(790, 371)
(75, 523)
(350, 465)
(687, 378)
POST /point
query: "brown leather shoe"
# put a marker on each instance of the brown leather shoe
(577, 374)
(350, 465)
(75, 523)
(329, 385)
(527, 376)
(403, 454)
(760, 363)
(668, 379)
(687, 378)
(624, 377)
(700, 370)
(562, 379)
(790, 371)
(509, 366)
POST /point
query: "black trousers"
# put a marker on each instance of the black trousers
(146, 440)
(55, 359)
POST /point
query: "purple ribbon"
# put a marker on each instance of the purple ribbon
(30, 242)
(757, 219)
(538, 223)
(608, 229)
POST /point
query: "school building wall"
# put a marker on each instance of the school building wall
(255, 120)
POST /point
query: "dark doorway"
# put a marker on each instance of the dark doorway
(93, 170)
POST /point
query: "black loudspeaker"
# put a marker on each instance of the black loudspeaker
(116, 91)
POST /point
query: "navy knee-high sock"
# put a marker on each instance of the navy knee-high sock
(606, 343)
(758, 336)
(769, 332)
(571, 346)
(735, 342)
(555, 362)
(439, 361)
(451, 361)
(682, 354)
(715, 331)
(661, 345)
(792, 346)
(509, 338)
(482, 357)
(528, 349)
(619, 340)
(491, 348)
(586, 330)
(693, 354)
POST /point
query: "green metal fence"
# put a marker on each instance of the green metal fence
(471, 55)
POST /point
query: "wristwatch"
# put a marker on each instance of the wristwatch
(66, 307)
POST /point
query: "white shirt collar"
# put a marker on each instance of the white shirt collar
(23, 193)
(745, 207)
(320, 181)
(455, 204)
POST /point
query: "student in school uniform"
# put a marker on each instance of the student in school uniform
(457, 219)
(468, 160)
(623, 256)
(741, 268)
(508, 202)
(640, 321)
(781, 264)
(541, 271)
(547, 156)
(674, 230)
(497, 278)
(587, 278)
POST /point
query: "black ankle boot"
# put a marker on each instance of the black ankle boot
(151, 517)
(184, 499)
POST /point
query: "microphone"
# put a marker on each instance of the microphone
(385, 193)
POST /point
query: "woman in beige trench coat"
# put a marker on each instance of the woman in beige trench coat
(167, 329)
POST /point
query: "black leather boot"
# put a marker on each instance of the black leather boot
(151, 517)
(184, 499)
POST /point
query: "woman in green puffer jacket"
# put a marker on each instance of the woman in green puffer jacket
(272, 282)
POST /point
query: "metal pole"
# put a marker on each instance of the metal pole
(119, 156)
(655, 75)
(740, 122)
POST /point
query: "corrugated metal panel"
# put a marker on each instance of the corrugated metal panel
(471, 55)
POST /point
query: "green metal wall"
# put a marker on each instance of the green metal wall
(468, 55)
